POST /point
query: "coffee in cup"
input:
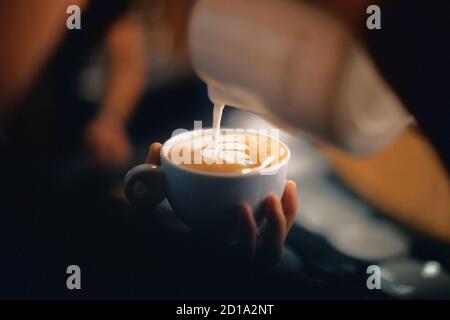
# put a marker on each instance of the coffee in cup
(206, 192)
(229, 152)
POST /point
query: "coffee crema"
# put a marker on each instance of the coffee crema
(227, 152)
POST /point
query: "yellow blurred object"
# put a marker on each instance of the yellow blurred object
(406, 179)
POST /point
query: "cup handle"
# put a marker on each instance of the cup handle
(145, 185)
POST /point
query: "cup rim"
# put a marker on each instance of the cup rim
(219, 174)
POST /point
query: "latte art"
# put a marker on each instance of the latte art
(233, 153)
(227, 152)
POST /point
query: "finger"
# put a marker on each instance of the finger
(247, 229)
(289, 203)
(275, 234)
(153, 156)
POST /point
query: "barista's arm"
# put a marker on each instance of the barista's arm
(126, 69)
(106, 136)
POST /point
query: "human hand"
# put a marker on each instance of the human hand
(107, 142)
(264, 250)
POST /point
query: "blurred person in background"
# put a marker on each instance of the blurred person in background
(59, 149)
(47, 64)
(65, 93)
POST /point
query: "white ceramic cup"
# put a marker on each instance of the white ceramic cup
(205, 201)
